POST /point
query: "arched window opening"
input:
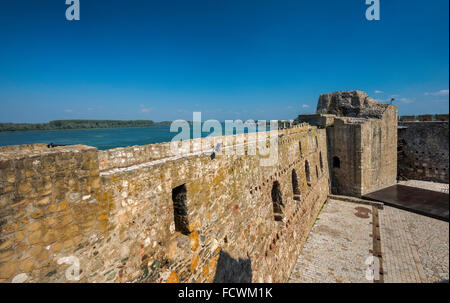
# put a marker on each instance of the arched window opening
(336, 162)
(180, 211)
(277, 201)
(307, 172)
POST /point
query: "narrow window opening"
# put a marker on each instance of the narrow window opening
(180, 209)
(277, 201)
(321, 162)
(308, 175)
(295, 188)
(300, 148)
(336, 162)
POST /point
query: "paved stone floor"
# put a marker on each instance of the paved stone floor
(337, 246)
(415, 248)
(441, 187)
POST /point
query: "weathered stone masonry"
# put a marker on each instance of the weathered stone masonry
(362, 141)
(423, 150)
(143, 214)
(114, 210)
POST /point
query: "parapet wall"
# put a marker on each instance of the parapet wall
(423, 151)
(48, 198)
(423, 118)
(134, 155)
(141, 214)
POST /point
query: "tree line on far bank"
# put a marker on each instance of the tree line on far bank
(79, 124)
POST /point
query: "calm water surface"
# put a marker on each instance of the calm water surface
(101, 138)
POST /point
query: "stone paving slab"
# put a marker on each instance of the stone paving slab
(338, 245)
(436, 186)
(415, 248)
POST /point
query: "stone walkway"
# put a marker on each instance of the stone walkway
(441, 187)
(338, 245)
(414, 248)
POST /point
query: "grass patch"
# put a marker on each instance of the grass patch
(317, 218)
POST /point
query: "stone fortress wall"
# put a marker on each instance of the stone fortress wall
(141, 214)
(423, 148)
(144, 214)
(362, 141)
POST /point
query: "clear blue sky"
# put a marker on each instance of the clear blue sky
(229, 59)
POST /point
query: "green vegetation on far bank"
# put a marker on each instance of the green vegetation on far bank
(79, 124)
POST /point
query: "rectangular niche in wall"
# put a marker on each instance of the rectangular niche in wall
(180, 212)
(277, 201)
(307, 172)
(336, 162)
(321, 162)
(295, 188)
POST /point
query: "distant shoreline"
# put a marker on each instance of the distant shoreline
(86, 125)
(79, 124)
(56, 129)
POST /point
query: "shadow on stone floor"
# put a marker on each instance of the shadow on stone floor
(230, 270)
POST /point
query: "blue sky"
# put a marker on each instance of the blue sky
(258, 59)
